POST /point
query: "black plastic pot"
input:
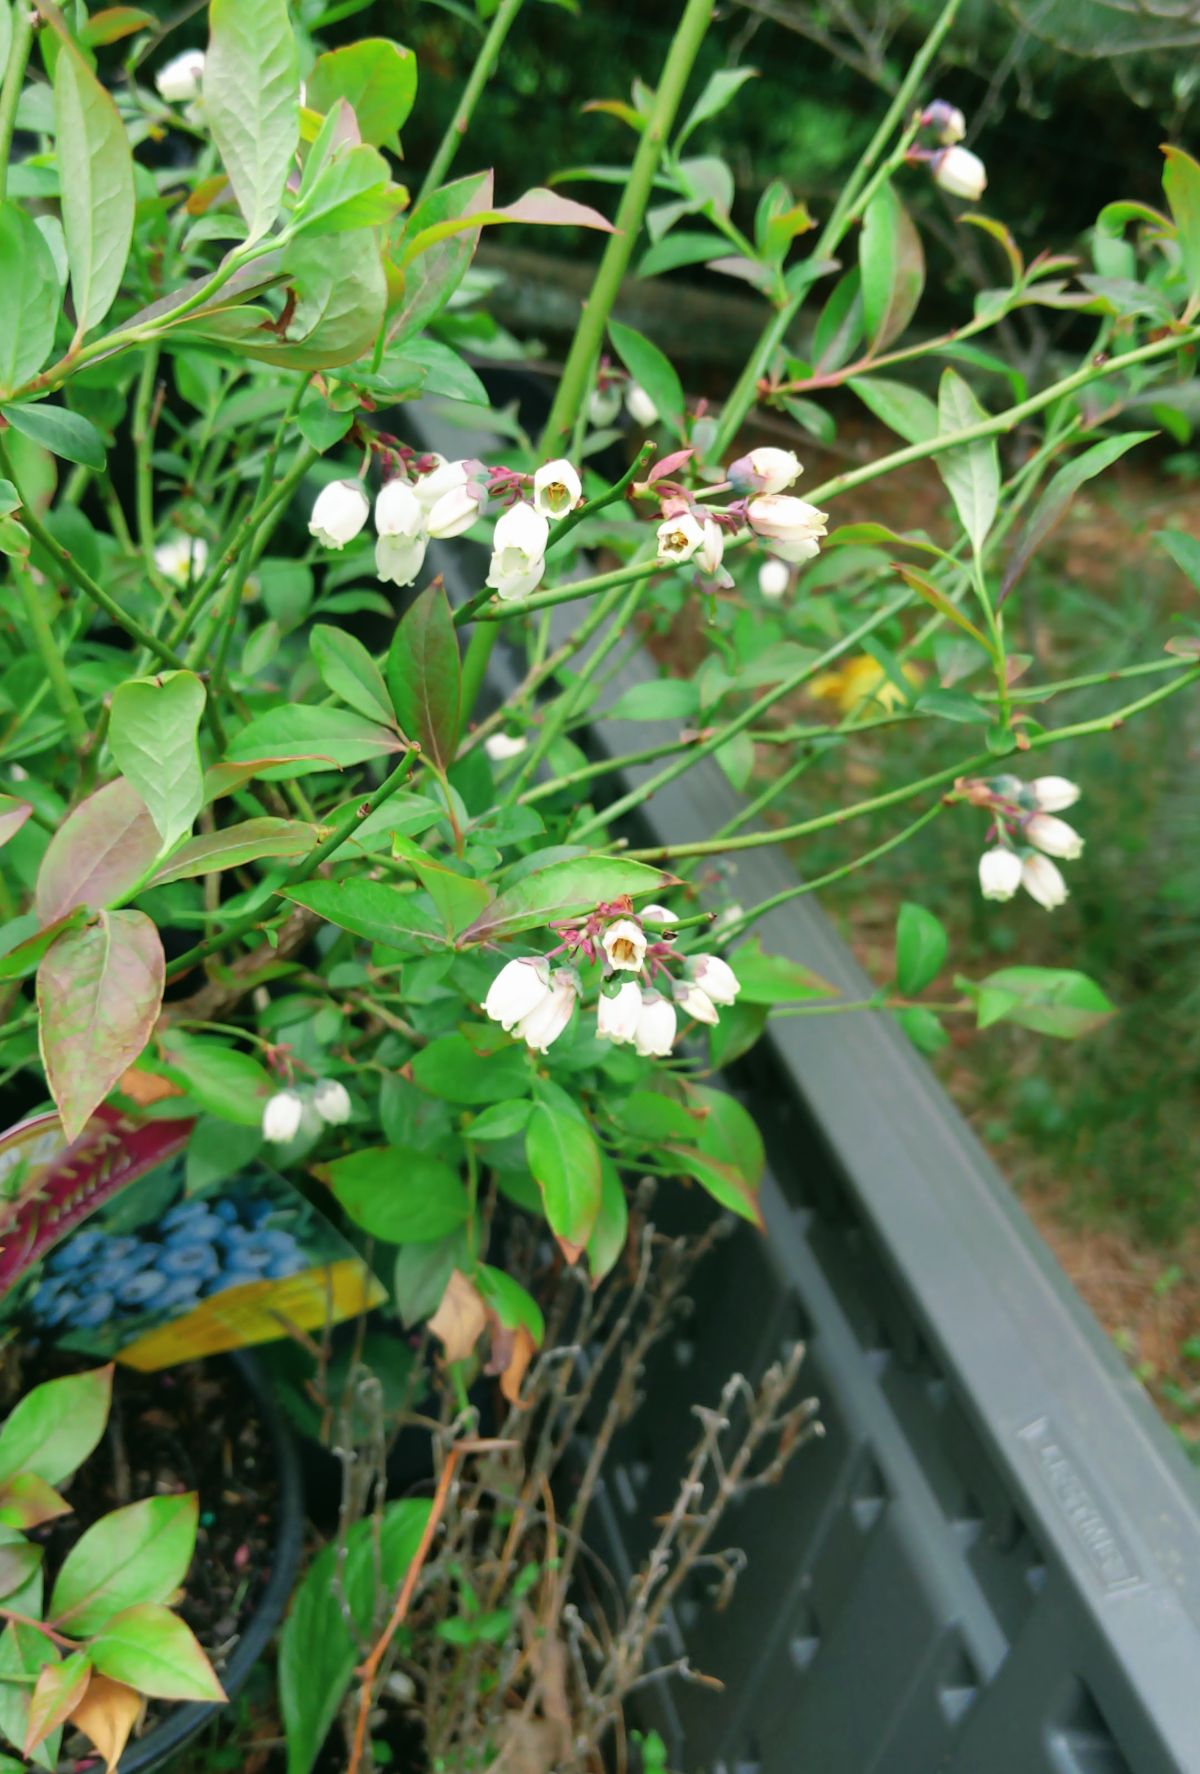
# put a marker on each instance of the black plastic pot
(186, 1722)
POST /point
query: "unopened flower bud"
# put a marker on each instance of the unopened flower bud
(999, 873)
(282, 1115)
(1043, 881)
(340, 511)
(617, 1013)
(1054, 794)
(716, 978)
(639, 406)
(658, 914)
(604, 405)
(790, 527)
(695, 1003)
(656, 1024)
(1054, 836)
(712, 547)
(179, 81)
(947, 120)
(960, 172)
(331, 1100)
(773, 579)
(557, 488)
(500, 747)
(764, 471)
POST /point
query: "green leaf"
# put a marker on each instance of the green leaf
(649, 1116)
(154, 733)
(251, 102)
(1057, 497)
(29, 299)
(774, 979)
(740, 1027)
(58, 1690)
(26, 1501)
(60, 431)
(19, 1559)
(729, 1133)
(1050, 1000)
(424, 674)
(892, 265)
(972, 471)
(933, 594)
(24, 1652)
(452, 1069)
(647, 365)
(56, 1426)
(840, 325)
(421, 1274)
(352, 190)
(923, 1028)
(221, 1079)
(431, 278)
(906, 411)
(564, 1161)
(682, 248)
(665, 699)
(150, 1649)
(611, 1228)
(209, 852)
(349, 671)
(140, 1553)
(95, 169)
(317, 1651)
(921, 945)
(1181, 182)
(501, 1121)
(459, 898)
(376, 77)
(725, 1182)
(564, 890)
(403, 1197)
(99, 992)
(511, 1303)
(293, 740)
(1184, 550)
(718, 89)
(370, 909)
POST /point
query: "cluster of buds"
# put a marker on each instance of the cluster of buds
(607, 398)
(955, 169)
(646, 983)
(790, 527)
(1025, 835)
(289, 1112)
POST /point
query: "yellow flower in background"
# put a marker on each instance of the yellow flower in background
(862, 678)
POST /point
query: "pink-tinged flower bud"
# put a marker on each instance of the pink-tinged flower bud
(764, 471)
(999, 873)
(712, 548)
(1043, 882)
(1054, 836)
(445, 477)
(500, 747)
(331, 1100)
(790, 527)
(960, 172)
(455, 511)
(547, 1020)
(518, 551)
(658, 914)
(656, 1025)
(624, 943)
(947, 120)
(1054, 794)
(639, 406)
(773, 579)
(398, 511)
(557, 488)
(282, 1115)
(715, 977)
(340, 511)
(518, 988)
(179, 81)
(398, 559)
(695, 1003)
(617, 1013)
(678, 539)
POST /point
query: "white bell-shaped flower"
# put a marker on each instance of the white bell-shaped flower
(518, 988)
(282, 1115)
(715, 977)
(764, 471)
(557, 488)
(1043, 881)
(331, 1100)
(999, 872)
(791, 527)
(655, 1033)
(500, 747)
(547, 1020)
(340, 511)
(1054, 794)
(181, 558)
(773, 579)
(624, 943)
(695, 1003)
(960, 172)
(617, 1013)
(679, 538)
(179, 81)
(518, 551)
(398, 559)
(398, 511)
(639, 406)
(1054, 836)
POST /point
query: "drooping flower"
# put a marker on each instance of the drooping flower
(518, 988)
(547, 1020)
(1054, 836)
(282, 1114)
(557, 488)
(604, 404)
(331, 1100)
(773, 579)
(639, 406)
(960, 172)
(1043, 881)
(715, 977)
(1053, 794)
(656, 1023)
(679, 538)
(181, 558)
(791, 527)
(451, 497)
(695, 1003)
(617, 1013)
(398, 559)
(712, 547)
(764, 471)
(999, 872)
(947, 120)
(340, 511)
(518, 551)
(179, 81)
(500, 747)
(400, 522)
(624, 943)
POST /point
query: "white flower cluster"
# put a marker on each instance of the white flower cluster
(289, 1111)
(534, 1000)
(1029, 835)
(790, 527)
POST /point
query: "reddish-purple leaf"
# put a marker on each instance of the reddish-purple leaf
(99, 992)
(236, 844)
(667, 465)
(424, 675)
(13, 814)
(101, 850)
(548, 209)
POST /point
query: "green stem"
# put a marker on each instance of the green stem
(745, 390)
(333, 840)
(14, 79)
(47, 651)
(955, 1007)
(982, 762)
(81, 577)
(143, 443)
(485, 66)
